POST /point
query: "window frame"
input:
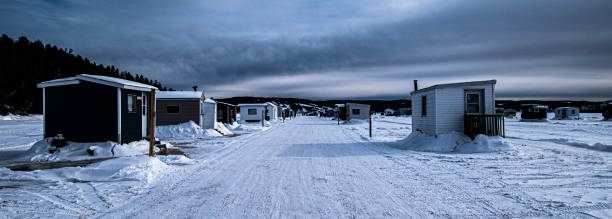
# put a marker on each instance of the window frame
(480, 93)
(249, 112)
(178, 109)
(134, 102)
(358, 111)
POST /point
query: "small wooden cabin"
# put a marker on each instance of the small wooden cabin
(357, 111)
(533, 112)
(606, 110)
(272, 111)
(389, 112)
(405, 111)
(567, 113)
(467, 107)
(209, 115)
(253, 112)
(95, 108)
(226, 113)
(176, 107)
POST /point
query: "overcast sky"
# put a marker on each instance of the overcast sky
(548, 49)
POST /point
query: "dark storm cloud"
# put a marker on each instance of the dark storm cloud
(297, 48)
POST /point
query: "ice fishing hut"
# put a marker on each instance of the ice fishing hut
(272, 111)
(252, 112)
(533, 112)
(606, 110)
(357, 111)
(467, 107)
(405, 111)
(567, 113)
(226, 113)
(95, 108)
(176, 107)
(389, 112)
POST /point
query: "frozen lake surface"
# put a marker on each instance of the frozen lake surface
(311, 167)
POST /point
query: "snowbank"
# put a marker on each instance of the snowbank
(453, 142)
(185, 130)
(19, 117)
(221, 128)
(138, 168)
(39, 152)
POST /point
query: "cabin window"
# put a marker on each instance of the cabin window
(219, 114)
(172, 109)
(131, 103)
(252, 112)
(573, 112)
(424, 105)
(356, 111)
(473, 102)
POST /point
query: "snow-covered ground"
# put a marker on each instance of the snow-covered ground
(312, 167)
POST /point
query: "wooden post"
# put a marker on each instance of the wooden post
(370, 125)
(263, 119)
(152, 123)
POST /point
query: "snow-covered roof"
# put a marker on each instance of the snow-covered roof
(461, 84)
(98, 79)
(252, 105)
(179, 95)
(224, 103)
(208, 100)
(339, 105)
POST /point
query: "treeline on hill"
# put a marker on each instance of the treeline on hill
(24, 63)
(381, 105)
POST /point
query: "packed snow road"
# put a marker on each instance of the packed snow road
(311, 167)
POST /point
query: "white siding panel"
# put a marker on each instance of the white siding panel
(210, 113)
(450, 107)
(244, 113)
(427, 123)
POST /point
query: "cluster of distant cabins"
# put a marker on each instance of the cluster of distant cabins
(94, 108)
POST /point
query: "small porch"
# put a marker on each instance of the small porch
(490, 125)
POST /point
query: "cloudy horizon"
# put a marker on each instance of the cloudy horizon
(337, 50)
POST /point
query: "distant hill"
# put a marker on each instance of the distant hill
(377, 105)
(24, 63)
(381, 105)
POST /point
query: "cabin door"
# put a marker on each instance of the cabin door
(144, 115)
(474, 102)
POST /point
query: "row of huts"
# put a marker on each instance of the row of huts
(94, 108)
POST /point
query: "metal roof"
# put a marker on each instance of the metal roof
(461, 84)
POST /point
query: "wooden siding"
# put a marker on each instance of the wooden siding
(244, 113)
(210, 115)
(189, 110)
(364, 111)
(85, 112)
(227, 112)
(425, 124)
(450, 107)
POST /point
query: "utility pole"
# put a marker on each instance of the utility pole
(152, 123)
(370, 125)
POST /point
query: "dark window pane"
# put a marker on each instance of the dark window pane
(252, 111)
(172, 109)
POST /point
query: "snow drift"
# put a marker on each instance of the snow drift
(39, 152)
(185, 130)
(453, 142)
(21, 117)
